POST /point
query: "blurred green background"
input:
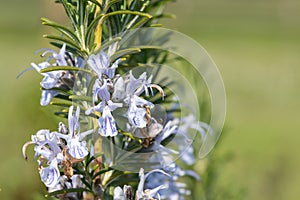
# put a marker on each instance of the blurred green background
(256, 45)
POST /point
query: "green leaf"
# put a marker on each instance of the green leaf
(110, 42)
(61, 91)
(61, 114)
(102, 171)
(81, 12)
(65, 191)
(81, 20)
(91, 27)
(96, 2)
(69, 42)
(101, 18)
(63, 104)
(124, 52)
(69, 49)
(86, 183)
(81, 97)
(88, 162)
(133, 23)
(68, 68)
(121, 180)
(138, 24)
(61, 29)
(110, 3)
(158, 3)
(164, 15)
(70, 12)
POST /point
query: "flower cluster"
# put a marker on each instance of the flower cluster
(60, 79)
(59, 149)
(122, 111)
(116, 91)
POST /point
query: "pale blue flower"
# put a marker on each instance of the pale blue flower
(190, 122)
(124, 194)
(58, 78)
(100, 107)
(47, 96)
(49, 81)
(136, 86)
(133, 83)
(73, 121)
(136, 116)
(100, 63)
(138, 101)
(169, 129)
(50, 175)
(107, 123)
(46, 145)
(76, 147)
(173, 189)
(50, 78)
(184, 140)
(68, 183)
(119, 92)
(146, 194)
(144, 85)
(187, 155)
(59, 57)
(119, 194)
(100, 90)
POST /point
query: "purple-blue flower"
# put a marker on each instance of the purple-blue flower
(76, 147)
(46, 145)
(50, 175)
(147, 193)
(100, 90)
(100, 63)
(136, 116)
(174, 189)
(107, 124)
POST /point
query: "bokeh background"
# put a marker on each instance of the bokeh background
(256, 45)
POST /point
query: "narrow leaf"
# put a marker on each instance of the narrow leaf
(60, 28)
(65, 191)
(81, 97)
(69, 68)
(124, 52)
(69, 42)
(102, 172)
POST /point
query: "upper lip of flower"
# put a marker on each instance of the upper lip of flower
(74, 137)
(100, 63)
(141, 192)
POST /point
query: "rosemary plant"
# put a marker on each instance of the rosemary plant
(124, 124)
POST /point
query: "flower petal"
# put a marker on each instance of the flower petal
(77, 149)
(47, 96)
(107, 124)
(119, 194)
(49, 82)
(136, 116)
(73, 121)
(50, 175)
(101, 91)
(119, 90)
